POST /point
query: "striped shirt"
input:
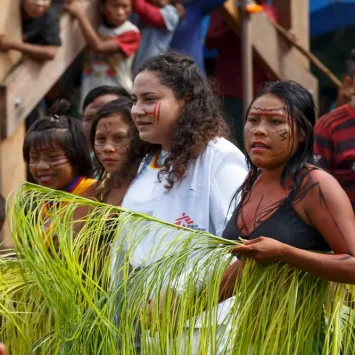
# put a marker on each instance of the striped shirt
(334, 147)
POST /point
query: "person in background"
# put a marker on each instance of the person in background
(334, 138)
(187, 37)
(97, 98)
(158, 20)
(40, 32)
(40, 41)
(229, 70)
(112, 46)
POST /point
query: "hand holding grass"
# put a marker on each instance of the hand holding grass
(262, 249)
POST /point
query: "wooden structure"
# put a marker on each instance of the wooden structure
(271, 48)
(24, 84)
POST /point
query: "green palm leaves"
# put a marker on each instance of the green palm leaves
(88, 278)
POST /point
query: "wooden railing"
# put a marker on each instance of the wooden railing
(27, 83)
(272, 49)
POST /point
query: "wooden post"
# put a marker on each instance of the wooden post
(293, 15)
(247, 59)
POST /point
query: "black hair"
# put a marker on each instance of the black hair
(59, 130)
(118, 90)
(350, 65)
(120, 107)
(201, 119)
(2, 211)
(300, 108)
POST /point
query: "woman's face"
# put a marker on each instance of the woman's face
(269, 140)
(91, 109)
(50, 167)
(155, 109)
(111, 142)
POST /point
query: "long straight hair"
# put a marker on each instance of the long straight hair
(301, 112)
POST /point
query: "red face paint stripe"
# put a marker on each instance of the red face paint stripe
(273, 114)
(155, 113)
(158, 117)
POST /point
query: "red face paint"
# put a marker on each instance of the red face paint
(273, 114)
(155, 113)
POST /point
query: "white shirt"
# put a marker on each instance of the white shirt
(201, 200)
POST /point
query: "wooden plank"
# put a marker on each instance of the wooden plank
(10, 23)
(28, 83)
(293, 15)
(12, 170)
(272, 49)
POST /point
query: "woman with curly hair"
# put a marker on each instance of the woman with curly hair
(190, 170)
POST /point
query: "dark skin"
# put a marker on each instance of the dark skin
(324, 205)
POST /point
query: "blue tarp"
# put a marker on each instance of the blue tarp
(329, 15)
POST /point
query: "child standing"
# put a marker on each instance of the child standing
(112, 47)
(158, 20)
(40, 32)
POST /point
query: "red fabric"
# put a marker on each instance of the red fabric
(128, 42)
(229, 58)
(149, 13)
(334, 146)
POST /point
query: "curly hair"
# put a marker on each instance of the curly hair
(201, 119)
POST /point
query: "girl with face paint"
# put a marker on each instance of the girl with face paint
(289, 208)
(56, 151)
(112, 134)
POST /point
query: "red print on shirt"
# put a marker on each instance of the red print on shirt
(183, 221)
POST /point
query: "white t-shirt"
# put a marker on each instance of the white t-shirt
(200, 201)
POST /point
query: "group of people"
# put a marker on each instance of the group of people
(163, 151)
(159, 145)
(130, 31)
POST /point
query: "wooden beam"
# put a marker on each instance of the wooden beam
(293, 15)
(247, 60)
(10, 23)
(272, 49)
(28, 83)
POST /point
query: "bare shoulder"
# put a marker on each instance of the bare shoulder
(320, 176)
(324, 189)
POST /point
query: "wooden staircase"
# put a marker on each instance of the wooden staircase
(27, 83)
(23, 83)
(281, 60)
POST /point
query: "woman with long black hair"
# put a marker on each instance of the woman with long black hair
(289, 208)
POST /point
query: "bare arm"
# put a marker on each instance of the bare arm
(226, 288)
(330, 212)
(149, 13)
(34, 51)
(95, 43)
